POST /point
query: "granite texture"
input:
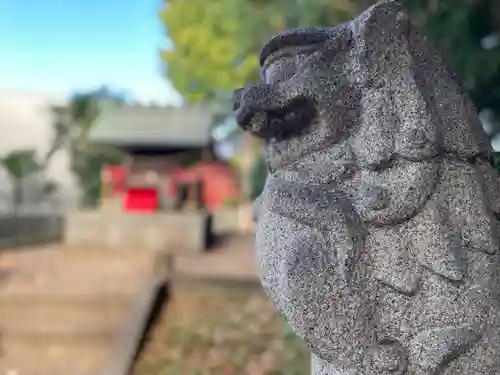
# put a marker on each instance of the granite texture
(377, 228)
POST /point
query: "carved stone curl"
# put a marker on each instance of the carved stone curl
(377, 229)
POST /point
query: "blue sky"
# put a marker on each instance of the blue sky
(57, 46)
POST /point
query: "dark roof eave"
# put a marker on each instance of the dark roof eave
(139, 143)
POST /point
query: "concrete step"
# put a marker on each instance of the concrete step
(69, 309)
(78, 359)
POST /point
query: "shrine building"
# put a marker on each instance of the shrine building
(168, 159)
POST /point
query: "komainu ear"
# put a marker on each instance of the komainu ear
(383, 15)
(379, 24)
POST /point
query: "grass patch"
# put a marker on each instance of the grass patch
(213, 330)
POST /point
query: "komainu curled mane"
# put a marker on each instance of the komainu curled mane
(377, 229)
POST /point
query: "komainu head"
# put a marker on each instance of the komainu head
(319, 84)
(378, 235)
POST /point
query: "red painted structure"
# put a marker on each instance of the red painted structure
(141, 200)
(217, 180)
(218, 186)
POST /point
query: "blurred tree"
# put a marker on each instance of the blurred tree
(216, 42)
(19, 164)
(73, 123)
(209, 56)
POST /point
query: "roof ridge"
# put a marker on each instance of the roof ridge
(174, 126)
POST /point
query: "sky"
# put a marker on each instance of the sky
(59, 46)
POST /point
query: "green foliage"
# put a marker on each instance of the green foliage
(73, 125)
(86, 165)
(216, 42)
(19, 164)
(207, 58)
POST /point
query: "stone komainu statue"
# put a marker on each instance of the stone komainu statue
(377, 230)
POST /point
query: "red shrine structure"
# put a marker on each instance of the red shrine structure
(168, 159)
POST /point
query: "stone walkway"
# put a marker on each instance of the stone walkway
(63, 270)
(61, 309)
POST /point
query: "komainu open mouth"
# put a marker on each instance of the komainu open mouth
(278, 123)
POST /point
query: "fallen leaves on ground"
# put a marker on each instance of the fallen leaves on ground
(211, 330)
